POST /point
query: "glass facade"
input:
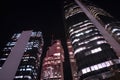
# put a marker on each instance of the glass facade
(29, 65)
(94, 55)
(52, 68)
(109, 23)
(8, 48)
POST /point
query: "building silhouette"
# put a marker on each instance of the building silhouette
(94, 35)
(20, 58)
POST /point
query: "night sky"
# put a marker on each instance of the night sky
(43, 15)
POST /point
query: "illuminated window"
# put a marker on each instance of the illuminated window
(88, 31)
(33, 34)
(115, 29)
(70, 53)
(79, 49)
(84, 71)
(77, 24)
(58, 43)
(92, 68)
(117, 61)
(80, 43)
(88, 69)
(95, 38)
(79, 34)
(58, 61)
(6, 54)
(58, 47)
(3, 59)
(75, 40)
(101, 42)
(56, 54)
(107, 63)
(36, 43)
(78, 30)
(71, 30)
(68, 42)
(100, 66)
(39, 34)
(29, 77)
(11, 43)
(31, 57)
(111, 63)
(23, 69)
(118, 34)
(18, 35)
(28, 69)
(96, 50)
(18, 76)
(8, 43)
(69, 46)
(96, 67)
(103, 64)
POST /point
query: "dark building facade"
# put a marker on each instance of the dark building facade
(72, 60)
(109, 23)
(96, 55)
(20, 59)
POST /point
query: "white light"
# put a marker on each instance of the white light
(58, 47)
(111, 63)
(69, 46)
(100, 66)
(101, 42)
(70, 53)
(114, 30)
(3, 59)
(118, 34)
(77, 24)
(77, 35)
(96, 67)
(96, 50)
(71, 30)
(29, 77)
(28, 69)
(79, 49)
(88, 69)
(88, 31)
(18, 76)
(84, 71)
(56, 54)
(18, 35)
(107, 64)
(92, 68)
(103, 65)
(75, 40)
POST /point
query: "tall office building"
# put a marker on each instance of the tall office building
(20, 59)
(52, 67)
(72, 60)
(95, 50)
(109, 23)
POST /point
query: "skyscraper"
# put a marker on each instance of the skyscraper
(20, 59)
(52, 67)
(95, 50)
(72, 60)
